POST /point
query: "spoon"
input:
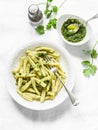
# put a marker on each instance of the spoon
(73, 28)
(93, 17)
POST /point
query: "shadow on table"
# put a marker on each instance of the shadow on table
(77, 51)
(45, 115)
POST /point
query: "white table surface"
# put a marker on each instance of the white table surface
(16, 30)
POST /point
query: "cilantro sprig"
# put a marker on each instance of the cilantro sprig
(90, 67)
(50, 9)
(90, 70)
(51, 23)
(50, 13)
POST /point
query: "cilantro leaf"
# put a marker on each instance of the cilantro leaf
(40, 29)
(49, 0)
(93, 69)
(51, 23)
(55, 9)
(49, 13)
(86, 72)
(94, 53)
(86, 63)
(47, 5)
(48, 26)
(46, 10)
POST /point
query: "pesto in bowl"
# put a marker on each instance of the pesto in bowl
(73, 30)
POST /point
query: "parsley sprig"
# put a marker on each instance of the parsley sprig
(90, 67)
(50, 13)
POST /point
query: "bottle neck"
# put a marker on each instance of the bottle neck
(33, 10)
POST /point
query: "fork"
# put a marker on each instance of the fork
(72, 97)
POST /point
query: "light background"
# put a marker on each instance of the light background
(15, 30)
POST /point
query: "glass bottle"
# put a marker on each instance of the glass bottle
(35, 15)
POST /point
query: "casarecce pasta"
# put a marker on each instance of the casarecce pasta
(33, 78)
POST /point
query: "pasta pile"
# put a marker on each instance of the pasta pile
(33, 77)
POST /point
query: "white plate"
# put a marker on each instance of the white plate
(66, 64)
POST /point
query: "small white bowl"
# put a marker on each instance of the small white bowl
(64, 18)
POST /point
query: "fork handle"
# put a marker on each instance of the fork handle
(72, 97)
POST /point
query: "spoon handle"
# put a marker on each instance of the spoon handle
(93, 17)
(72, 97)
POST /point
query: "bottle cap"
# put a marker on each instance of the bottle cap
(33, 9)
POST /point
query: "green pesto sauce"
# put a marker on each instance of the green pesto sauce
(76, 36)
